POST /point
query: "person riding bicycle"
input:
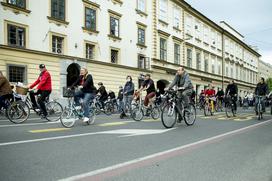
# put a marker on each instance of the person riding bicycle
(232, 91)
(86, 92)
(149, 86)
(127, 95)
(5, 90)
(220, 95)
(103, 93)
(261, 90)
(43, 89)
(183, 82)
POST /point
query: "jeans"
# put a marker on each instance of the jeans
(87, 98)
(43, 95)
(127, 101)
(262, 103)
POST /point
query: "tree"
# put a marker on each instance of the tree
(269, 83)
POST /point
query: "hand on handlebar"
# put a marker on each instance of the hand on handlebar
(181, 88)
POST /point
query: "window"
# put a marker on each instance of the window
(176, 53)
(206, 61)
(177, 17)
(90, 19)
(189, 58)
(141, 36)
(16, 36)
(142, 62)
(18, 3)
(219, 68)
(163, 49)
(163, 10)
(17, 73)
(114, 56)
(227, 71)
(231, 72)
(114, 26)
(57, 44)
(58, 9)
(141, 5)
(198, 61)
(90, 51)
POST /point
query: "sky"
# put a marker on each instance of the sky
(251, 18)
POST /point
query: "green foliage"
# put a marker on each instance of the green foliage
(269, 83)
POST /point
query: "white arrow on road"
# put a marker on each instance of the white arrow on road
(124, 132)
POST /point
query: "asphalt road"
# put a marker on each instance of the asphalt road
(215, 148)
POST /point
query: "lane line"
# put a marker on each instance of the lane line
(28, 124)
(112, 124)
(103, 173)
(48, 130)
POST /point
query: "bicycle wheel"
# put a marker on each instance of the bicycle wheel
(155, 113)
(190, 115)
(98, 106)
(91, 117)
(206, 109)
(169, 115)
(137, 114)
(54, 111)
(68, 118)
(18, 112)
(228, 110)
(108, 108)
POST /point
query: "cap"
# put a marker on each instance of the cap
(41, 66)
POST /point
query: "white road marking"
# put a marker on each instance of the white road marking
(28, 124)
(126, 132)
(135, 161)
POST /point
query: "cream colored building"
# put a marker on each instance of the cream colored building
(115, 38)
(265, 70)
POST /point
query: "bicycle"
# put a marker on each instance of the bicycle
(259, 107)
(173, 111)
(209, 105)
(229, 106)
(54, 109)
(138, 110)
(219, 104)
(71, 114)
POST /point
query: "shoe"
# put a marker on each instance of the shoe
(92, 122)
(78, 107)
(86, 119)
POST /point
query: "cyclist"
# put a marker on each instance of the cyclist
(149, 86)
(43, 89)
(182, 81)
(261, 90)
(220, 96)
(210, 93)
(232, 91)
(5, 90)
(86, 91)
(103, 93)
(127, 95)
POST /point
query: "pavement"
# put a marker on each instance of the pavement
(214, 148)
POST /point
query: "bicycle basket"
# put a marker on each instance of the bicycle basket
(68, 92)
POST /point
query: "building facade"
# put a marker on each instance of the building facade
(265, 70)
(115, 38)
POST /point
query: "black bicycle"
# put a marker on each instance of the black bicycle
(229, 106)
(173, 111)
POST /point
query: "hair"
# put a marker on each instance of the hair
(182, 68)
(1, 73)
(100, 83)
(129, 77)
(85, 69)
(262, 78)
(148, 75)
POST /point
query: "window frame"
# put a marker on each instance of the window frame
(94, 50)
(51, 10)
(163, 17)
(177, 54)
(118, 55)
(17, 65)
(144, 9)
(16, 5)
(17, 36)
(198, 61)
(189, 57)
(163, 50)
(85, 19)
(64, 47)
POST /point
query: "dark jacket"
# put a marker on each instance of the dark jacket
(88, 85)
(4, 86)
(120, 94)
(129, 89)
(182, 81)
(261, 89)
(232, 89)
(103, 93)
(220, 93)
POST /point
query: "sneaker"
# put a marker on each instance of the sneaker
(78, 107)
(86, 119)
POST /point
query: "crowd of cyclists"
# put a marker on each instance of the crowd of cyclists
(84, 89)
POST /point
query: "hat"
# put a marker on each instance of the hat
(41, 66)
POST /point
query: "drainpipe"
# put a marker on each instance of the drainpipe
(223, 58)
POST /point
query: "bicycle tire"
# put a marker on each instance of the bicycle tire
(54, 111)
(92, 117)
(228, 110)
(169, 115)
(137, 114)
(192, 112)
(259, 111)
(68, 118)
(108, 108)
(18, 112)
(155, 113)
(206, 109)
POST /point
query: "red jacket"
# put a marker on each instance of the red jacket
(210, 92)
(44, 81)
